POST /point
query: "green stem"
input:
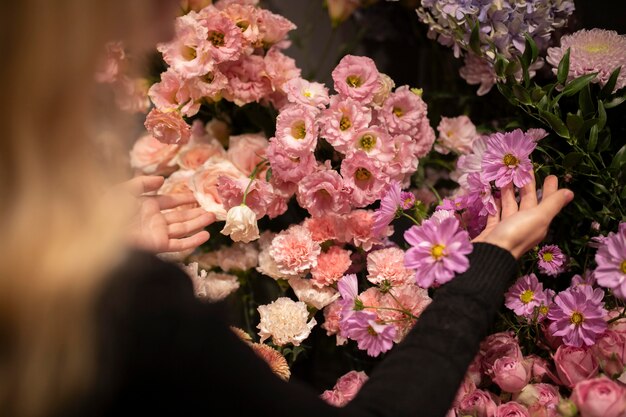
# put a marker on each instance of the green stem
(411, 217)
(408, 313)
(255, 172)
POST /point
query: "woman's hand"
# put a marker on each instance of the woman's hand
(518, 228)
(156, 230)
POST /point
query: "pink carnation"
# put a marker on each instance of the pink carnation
(359, 230)
(356, 77)
(331, 266)
(168, 128)
(288, 168)
(294, 251)
(151, 156)
(364, 177)
(410, 298)
(187, 52)
(224, 37)
(325, 228)
(457, 134)
(323, 192)
(388, 265)
(247, 82)
(403, 112)
(342, 120)
(296, 130)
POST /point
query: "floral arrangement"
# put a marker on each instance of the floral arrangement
(332, 221)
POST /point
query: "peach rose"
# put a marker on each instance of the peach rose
(193, 156)
(153, 157)
(204, 184)
(168, 127)
(246, 151)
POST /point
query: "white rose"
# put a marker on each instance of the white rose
(241, 224)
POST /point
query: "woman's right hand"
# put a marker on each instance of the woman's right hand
(518, 228)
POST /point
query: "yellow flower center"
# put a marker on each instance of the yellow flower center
(362, 174)
(623, 266)
(243, 25)
(437, 251)
(577, 318)
(188, 53)
(510, 160)
(548, 256)
(371, 331)
(367, 142)
(543, 310)
(208, 77)
(216, 38)
(527, 296)
(595, 48)
(345, 123)
(298, 130)
(354, 81)
(398, 111)
(307, 94)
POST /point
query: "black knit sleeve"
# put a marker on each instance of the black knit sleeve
(166, 352)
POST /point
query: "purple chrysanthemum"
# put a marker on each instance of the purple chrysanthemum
(371, 336)
(438, 251)
(594, 50)
(388, 210)
(611, 260)
(525, 296)
(578, 316)
(507, 158)
(551, 260)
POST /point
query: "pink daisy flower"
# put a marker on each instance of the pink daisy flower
(370, 335)
(438, 251)
(594, 50)
(390, 208)
(611, 260)
(507, 158)
(348, 287)
(578, 316)
(356, 77)
(525, 295)
(551, 260)
(480, 194)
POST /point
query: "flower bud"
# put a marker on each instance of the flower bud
(241, 224)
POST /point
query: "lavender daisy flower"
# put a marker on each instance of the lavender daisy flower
(578, 316)
(507, 158)
(348, 290)
(551, 260)
(371, 336)
(480, 195)
(438, 251)
(525, 295)
(390, 204)
(611, 260)
(587, 278)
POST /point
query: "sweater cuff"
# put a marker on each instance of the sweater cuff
(493, 268)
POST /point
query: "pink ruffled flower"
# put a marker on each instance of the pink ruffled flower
(364, 177)
(356, 77)
(371, 336)
(578, 316)
(333, 398)
(331, 266)
(247, 82)
(507, 158)
(551, 260)
(403, 112)
(131, 94)
(375, 142)
(193, 156)
(478, 403)
(525, 296)
(574, 364)
(204, 185)
(404, 162)
(457, 134)
(247, 151)
(342, 120)
(168, 128)
(511, 374)
(332, 316)
(172, 92)
(153, 157)
(600, 397)
(611, 260)
(110, 66)
(296, 130)
(438, 251)
(511, 409)
(408, 297)
(359, 224)
(244, 16)
(387, 265)
(178, 183)
(478, 71)
(466, 164)
(306, 93)
(224, 37)
(325, 228)
(424, 139)
(260, 194)
(593, 50)
(289, 168)
(294, 251)
(309, 293)
(385, 85)
(187, 52)
(273, 28)
(208, 87)
(346, 388)
(610, 351)
(323, 193)
(495, 346)
(280, 68)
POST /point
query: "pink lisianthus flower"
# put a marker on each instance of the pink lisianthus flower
(111, 64)
(168, 127)
(551, 260)
(280, 68)
(525, 296)
(207, 87)
(331, 266)
(387, 265)
(273, 28)
(438, 251)
(364, 177)
(260, 194)
(306, 93)
(342, 120)
(323, 193)
(424, 139)
(193, 156)
(390, 206)
(131, 94)
(204, 184)
(244, 16)
(294, 251)
(403, 112)
(289, 168)
(404, 162)
(172, 92)
(507, 158)
(356, 77)
(375, 142)
(457, 134)
(578, 316)
(478, 71)
(296, 130)
(225, 41)
(371, 336)
(187, 53)
(611, 260)
(247, 82)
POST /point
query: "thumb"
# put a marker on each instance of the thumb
(554, 203)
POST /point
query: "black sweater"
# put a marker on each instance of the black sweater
(163, 352)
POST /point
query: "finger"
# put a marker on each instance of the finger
(178, 230)
(528, 194)
(509, 205)
(179, 216)
(494, 219)
(143, 184)
(554, 203)
(174, 200)
(178, 245)
(550, 186)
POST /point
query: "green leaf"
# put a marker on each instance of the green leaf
(615, 102)
(500, 65)
(268, 174)
(601, 115)
(537, 94)
(543, 104)
(563, 69)
(555, 123)
(599, 188)
(574, 123)
(619, 159)
(521, 94)
(608, 88)
(578, 84)
(530, 43)
(593, 138)
(585, 103)
(572, 159)
(475, 39)
(511, 68)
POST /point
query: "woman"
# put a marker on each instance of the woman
(89, 326)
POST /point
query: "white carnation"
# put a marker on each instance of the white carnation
(285, 321)
(311, 294)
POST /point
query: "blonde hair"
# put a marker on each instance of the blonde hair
(59, 236)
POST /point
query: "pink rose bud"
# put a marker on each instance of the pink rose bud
(541, 399)
(350, 384)
(333, 397)
(599, 397)
(512, 409)
(610, 351)
(168, 127)
(511, 374)
(574, 364)
(478, 403)
(539, 368)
